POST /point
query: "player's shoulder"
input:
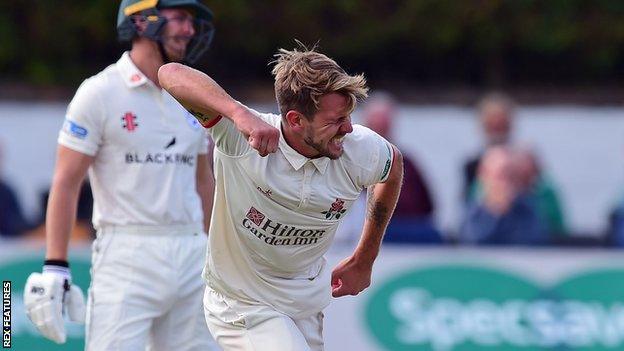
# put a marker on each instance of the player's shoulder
(361, 140)
(95, 92)
(362, 145)
(105, 80)
(270, 118)
(361, 134)
(109, 78)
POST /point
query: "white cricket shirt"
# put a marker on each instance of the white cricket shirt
(274, 217)
(145, 146)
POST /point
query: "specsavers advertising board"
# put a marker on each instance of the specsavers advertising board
(429, 299)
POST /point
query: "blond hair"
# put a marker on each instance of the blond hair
(303, 77)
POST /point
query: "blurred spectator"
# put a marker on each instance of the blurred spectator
(504, 213)
(83, 229)
(495, 112)
(534, 183)
(12, 220)
(532, 180)
(615, 235)
(413, 217)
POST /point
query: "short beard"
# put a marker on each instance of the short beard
(177, 56)
(323, 151)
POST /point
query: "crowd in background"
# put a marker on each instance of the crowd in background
(507, 196)
(15, 224)
(509, 199)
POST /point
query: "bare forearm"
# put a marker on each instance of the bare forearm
(60, 219)
(71, 167)
(198, 93)
(381, 201)
(208, 102)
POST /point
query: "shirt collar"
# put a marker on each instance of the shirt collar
(130, 74)
(296, 159)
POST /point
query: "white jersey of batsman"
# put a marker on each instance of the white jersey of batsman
(145, 146)
(274, 217)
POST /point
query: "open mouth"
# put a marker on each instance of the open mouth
(337, 141)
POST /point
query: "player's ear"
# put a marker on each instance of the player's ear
(295, 120)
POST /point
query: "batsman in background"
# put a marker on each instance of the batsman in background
(152, 186)
(283, 183)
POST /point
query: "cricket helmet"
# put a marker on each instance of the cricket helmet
(149, 10)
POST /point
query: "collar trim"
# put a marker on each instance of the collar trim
(130, 74)
(296, 159)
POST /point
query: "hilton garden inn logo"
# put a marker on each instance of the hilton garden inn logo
(452, 308)
(279, 234)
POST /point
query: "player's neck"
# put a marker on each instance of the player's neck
(296, 142)
(145, 55)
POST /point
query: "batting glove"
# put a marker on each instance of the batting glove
(50, 294)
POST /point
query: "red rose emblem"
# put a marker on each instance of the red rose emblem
(337, 205)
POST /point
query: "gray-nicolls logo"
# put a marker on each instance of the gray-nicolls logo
(267, 193)
(39, 290)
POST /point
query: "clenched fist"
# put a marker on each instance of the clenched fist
(261, 136)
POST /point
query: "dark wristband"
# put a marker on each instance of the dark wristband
(60, 263)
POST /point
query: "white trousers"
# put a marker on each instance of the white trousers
(238, 326)
(146, 291)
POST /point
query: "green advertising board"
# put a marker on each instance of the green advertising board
(25, 336)
(468, 308)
